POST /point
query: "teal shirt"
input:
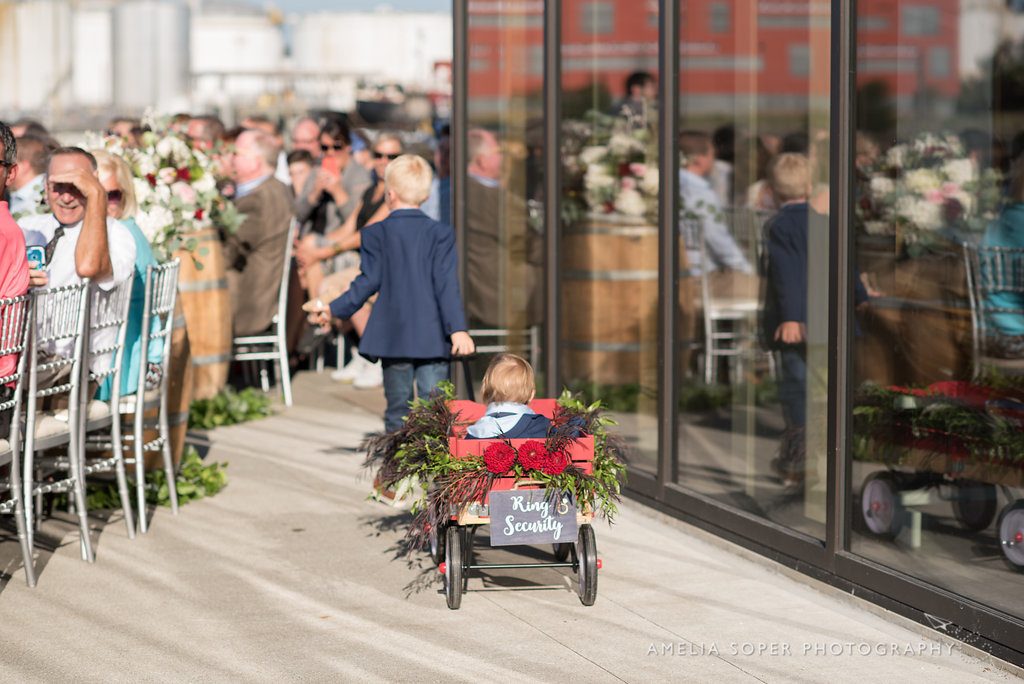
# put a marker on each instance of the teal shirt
(1007, 231)
(133, 336)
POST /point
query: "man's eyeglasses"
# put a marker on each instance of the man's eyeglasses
(7, 164)
(114, 195)
(381, 155)
(336, 147)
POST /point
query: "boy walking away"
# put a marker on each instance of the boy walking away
(417, 322)
(784, 321)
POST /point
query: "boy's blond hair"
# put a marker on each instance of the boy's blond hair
(410, 178)
(790, 177)
(509, 378)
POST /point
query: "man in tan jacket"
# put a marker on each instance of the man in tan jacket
(255, 254)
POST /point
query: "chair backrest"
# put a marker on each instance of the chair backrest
(58, 340)
(108, 327)
(282, 292)
(15, 315)
(157, 322)
(991, 271)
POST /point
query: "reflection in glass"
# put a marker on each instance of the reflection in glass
(938, 397)
(754, 244)
(504, 213)
(609, 238)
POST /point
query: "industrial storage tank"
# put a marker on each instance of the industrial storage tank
(35, 51)
(151, 55)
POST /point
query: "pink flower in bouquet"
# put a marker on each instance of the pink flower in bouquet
(184, 192)
(499, 458)
(935, 196)
(533, 455)
(167, 175)
(629, 183)
(638, 169)
(949, 188)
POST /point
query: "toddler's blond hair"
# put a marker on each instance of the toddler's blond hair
(509, 378)
(409, 177)
(790, 177)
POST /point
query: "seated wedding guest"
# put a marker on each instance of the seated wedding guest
(306, 136)
(28, 187)
(300, 167)
(336, 254)
(332, 192)
(14, 278)
(82, 241)
(205, 131)
(255, 252)
(701, 206)
(508, 387)
(116, 178)
(23, 127)
(127, 129)
(263, 123)
(439, 205)
(1006, 327)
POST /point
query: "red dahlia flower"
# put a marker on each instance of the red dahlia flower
(499, 458)
(556, 462)
(533, 455)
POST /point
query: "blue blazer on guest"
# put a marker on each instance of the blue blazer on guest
(410, 260)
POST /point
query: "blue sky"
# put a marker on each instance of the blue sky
(350, 5)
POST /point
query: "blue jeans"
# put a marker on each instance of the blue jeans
(793, 385)
(399, 376)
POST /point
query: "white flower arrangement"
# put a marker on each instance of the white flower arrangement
(176, 189)
(926, 189)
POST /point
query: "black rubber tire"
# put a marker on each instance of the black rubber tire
(436, 542)
(880, 504)
(468, 534)
(562, 552)
(586, 571)
(1011, 521)
(975, 504)
(453, 569)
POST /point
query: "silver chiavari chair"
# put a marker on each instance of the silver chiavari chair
(108, 327)
(59, 338)
(15, 315)
(157, 328)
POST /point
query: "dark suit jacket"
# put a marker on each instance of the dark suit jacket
(410, 260)
(255, 256)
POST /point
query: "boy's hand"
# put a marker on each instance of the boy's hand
(462, 344)
(791, 332)
(319, 313)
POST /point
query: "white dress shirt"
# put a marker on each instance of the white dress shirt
(701, 204)
(62, 271)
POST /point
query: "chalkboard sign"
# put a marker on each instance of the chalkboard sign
(531, 516)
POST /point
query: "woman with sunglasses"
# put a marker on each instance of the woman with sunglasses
(342, 247)
(116, 179)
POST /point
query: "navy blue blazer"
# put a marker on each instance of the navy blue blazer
(410, 260)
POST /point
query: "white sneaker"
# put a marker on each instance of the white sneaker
(371, 377)
(351, 371)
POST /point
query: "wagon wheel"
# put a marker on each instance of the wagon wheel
(586, 572)
(880, 504)
(453, 568)
(468, 533)
(562, 552)
(435, 537)
(975, 505)
(1011, 534)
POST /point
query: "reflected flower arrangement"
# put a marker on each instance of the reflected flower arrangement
(609, 169)
(927, 192)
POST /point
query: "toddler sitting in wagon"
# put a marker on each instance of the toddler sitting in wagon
(508, 387)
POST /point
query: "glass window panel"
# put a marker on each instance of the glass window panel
(597, 17)
(504, 248)
(938, 396)
(719, 19)
(609, 238)
(754, 242)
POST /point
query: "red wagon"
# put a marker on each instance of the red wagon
(451, 542)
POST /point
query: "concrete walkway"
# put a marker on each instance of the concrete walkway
(289, 575)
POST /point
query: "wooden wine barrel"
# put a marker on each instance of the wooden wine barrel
(610, 296)
(203, 293)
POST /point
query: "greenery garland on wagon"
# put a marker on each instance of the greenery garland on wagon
(415, 461)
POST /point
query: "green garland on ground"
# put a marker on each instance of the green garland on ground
(229, 407)
(195, 480)
(415, 461)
